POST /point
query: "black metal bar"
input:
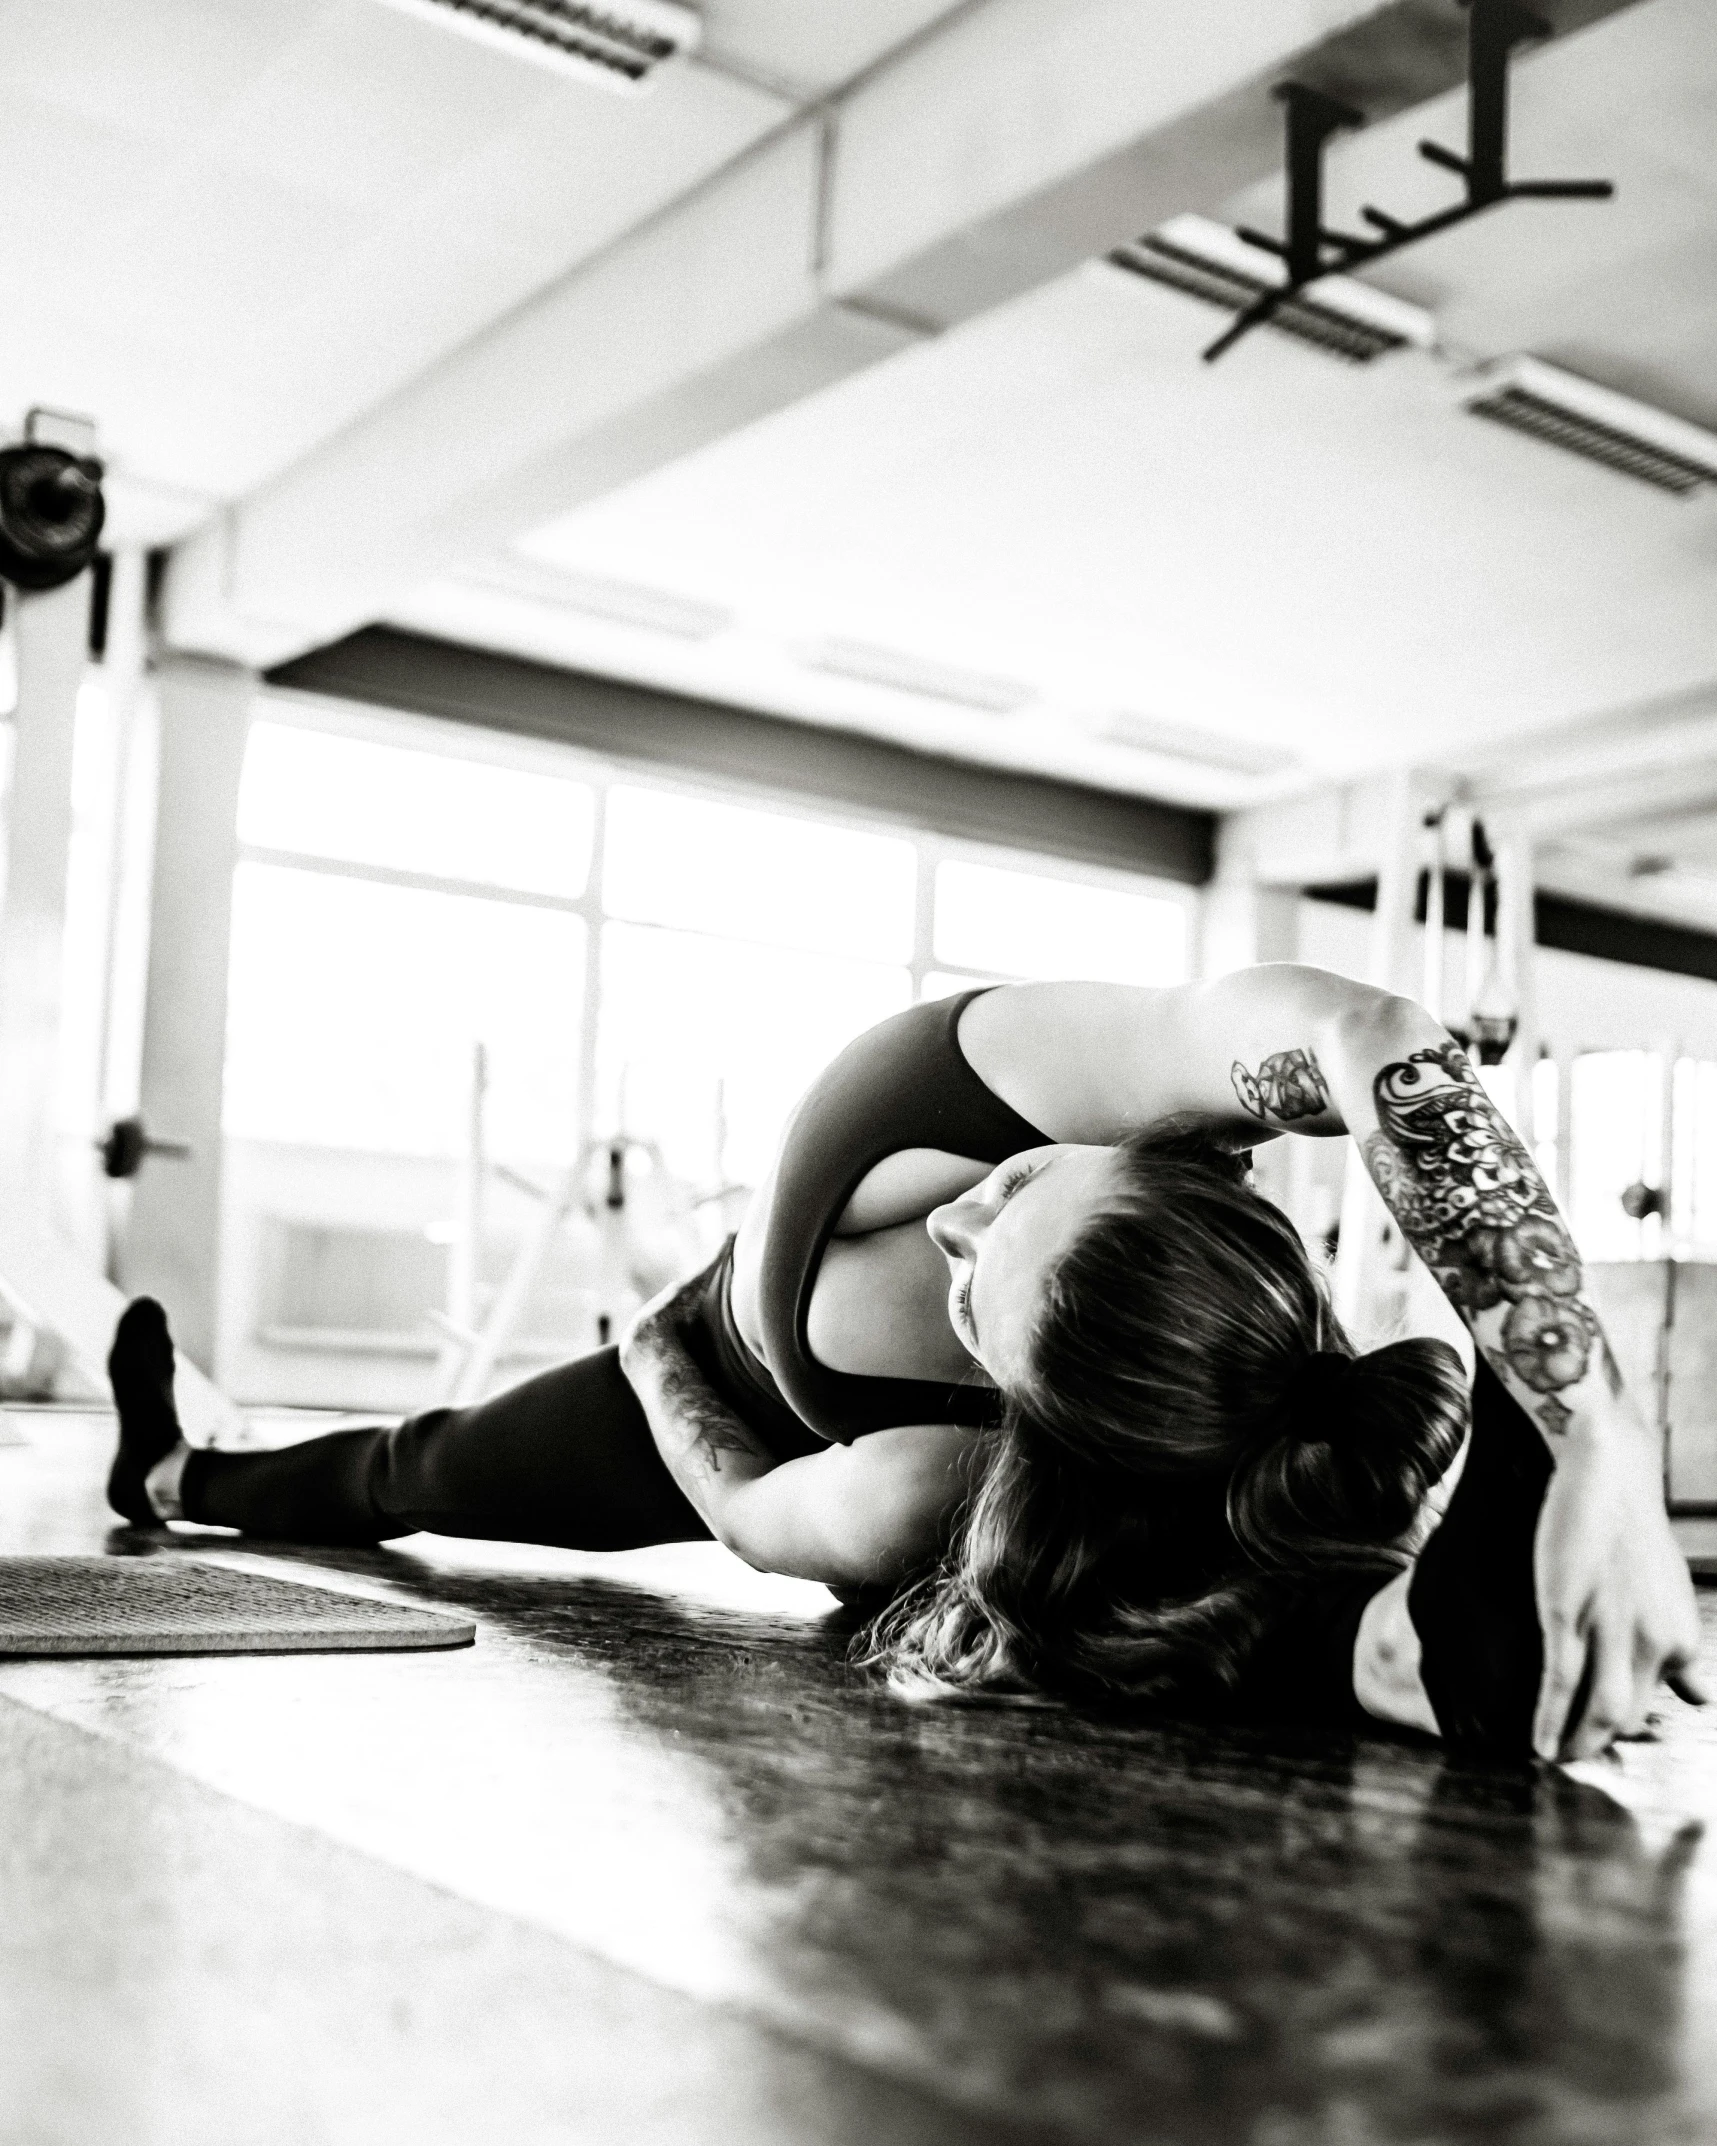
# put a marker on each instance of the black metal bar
(1497, 26)
(1255, 315)
(1312, 119)
(1561, 190)
(1435, 153)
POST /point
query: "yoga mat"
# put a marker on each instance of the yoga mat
(186, 1605)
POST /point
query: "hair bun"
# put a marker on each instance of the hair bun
(1365, 1438)
(1317, 1391)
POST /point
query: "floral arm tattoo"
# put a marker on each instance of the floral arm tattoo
(1286, 1086)
(1473, 1205)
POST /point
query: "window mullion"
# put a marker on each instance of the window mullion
(595, 916)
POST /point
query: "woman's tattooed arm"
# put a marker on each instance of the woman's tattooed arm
(709, 1451)
(1471, 1202)
(1287, 1086)
(713, 1438)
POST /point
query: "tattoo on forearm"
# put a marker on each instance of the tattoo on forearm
(1473, 1205)
(1286, 1086)
(714, 1428)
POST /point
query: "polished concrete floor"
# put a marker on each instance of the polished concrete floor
(650, 1862)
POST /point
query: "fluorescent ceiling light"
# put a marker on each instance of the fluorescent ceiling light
(908, 674)
(1173, 741)
(624, 603)
(1597, 423)
(619, 43)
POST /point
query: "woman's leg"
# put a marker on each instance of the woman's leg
(566, 1458)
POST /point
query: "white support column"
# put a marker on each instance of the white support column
(171, 1247)
(52, 639)
(1242, 922)
(124, 666)
(1244, 916)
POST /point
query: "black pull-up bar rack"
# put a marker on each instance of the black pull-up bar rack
(1311, 251)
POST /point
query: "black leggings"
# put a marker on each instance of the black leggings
(566, 1458)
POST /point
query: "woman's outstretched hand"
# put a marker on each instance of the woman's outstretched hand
(1614, 1597)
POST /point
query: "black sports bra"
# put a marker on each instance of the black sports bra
(903, 1084)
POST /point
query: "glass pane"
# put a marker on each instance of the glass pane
(706, 1044)
(757, 875)
(1032, 924)
(414, 811)
(1693, 1197)
(1616, 1133)
(1503, 1088)
(354, 1009)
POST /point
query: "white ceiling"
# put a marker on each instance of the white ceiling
(235, 226)
(1281, 549)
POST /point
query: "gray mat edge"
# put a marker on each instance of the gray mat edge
(453, 1634)
(409, 1627)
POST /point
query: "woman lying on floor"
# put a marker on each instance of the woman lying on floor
(1007, 1343)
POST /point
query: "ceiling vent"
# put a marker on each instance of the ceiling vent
(620, 603)
(907, 674)
(617, 42)
(1598, 424)
(1345, 318)
(1196, 748)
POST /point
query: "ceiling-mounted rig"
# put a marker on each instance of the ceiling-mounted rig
(1310, 251)
(51, 505)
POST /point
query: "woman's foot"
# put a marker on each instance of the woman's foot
(140, 1370)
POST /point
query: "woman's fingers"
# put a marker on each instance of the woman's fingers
(1687, 1680)
(1564, 1668)
(1610, 1708)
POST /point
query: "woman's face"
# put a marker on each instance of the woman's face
(1004, 1238)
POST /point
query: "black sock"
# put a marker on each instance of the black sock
(140, 1370)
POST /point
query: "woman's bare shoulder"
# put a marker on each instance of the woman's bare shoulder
(1095, 1062)
(1074, 1059)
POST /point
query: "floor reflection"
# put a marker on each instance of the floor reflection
(1111, 1926)
(1112, 1930)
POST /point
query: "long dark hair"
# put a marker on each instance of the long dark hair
(1195, 1435)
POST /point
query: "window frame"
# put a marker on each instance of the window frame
(411, 731)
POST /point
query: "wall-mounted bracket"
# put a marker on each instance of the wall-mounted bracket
(1310, 251)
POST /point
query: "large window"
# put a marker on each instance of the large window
(742, 948)
(1616, 1110)
(355, 1008)
(633, 956)
(636, 956)
(1693, 1169)
(1024, 923)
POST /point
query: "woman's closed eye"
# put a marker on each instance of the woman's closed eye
(1011, 1183)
